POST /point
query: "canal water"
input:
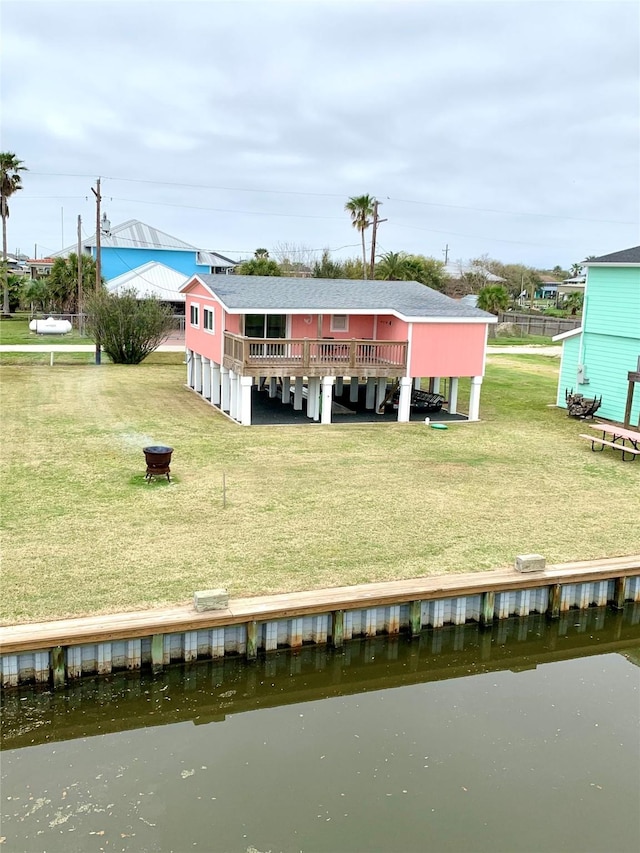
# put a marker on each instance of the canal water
(523, 738)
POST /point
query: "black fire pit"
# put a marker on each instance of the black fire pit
(158, 460)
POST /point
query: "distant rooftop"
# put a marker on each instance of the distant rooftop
(134, 234)
(626, 256)
(456, 269)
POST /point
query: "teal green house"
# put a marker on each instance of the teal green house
(597, 357)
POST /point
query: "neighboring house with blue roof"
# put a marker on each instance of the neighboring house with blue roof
(132, 244)
(598, 357)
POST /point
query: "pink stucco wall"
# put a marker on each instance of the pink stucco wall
(389, 328)
(306, 326)
(205, 343)
(232, 323)
(447, 349)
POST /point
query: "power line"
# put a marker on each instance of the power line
(226, 209)
(471, 236)
(507, 212)
(332, 195)
(396, 223)
(191, 186)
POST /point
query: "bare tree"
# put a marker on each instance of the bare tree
(295, 259)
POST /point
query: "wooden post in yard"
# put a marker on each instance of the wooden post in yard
(96, 193)
(633, 377)
(79, 274)
(374, 231)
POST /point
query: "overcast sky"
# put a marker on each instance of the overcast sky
(510, 129)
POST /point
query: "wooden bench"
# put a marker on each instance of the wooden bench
(616, 446)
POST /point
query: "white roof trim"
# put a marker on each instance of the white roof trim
(570, 334)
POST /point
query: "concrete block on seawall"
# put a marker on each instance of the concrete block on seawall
(211, 599)
(530, 563)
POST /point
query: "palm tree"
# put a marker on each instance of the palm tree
(361, 209)
(493, 298)
(574, 302)
(10, 182)
(576, 270)
(392, 267)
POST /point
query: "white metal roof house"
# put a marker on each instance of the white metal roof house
(151, 279)
(457, 270)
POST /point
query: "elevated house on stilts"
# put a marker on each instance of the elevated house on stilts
(271, 349)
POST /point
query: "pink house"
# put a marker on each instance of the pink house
(321, 345)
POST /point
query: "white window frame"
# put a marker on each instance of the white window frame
(194, 308)
(336, 327)
(211, 313)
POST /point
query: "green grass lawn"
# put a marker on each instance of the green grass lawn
(523, 340)
(307, 506)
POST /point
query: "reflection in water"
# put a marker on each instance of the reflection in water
(522, 738)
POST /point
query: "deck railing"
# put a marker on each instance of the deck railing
(314, 356)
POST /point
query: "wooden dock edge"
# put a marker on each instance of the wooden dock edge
(63, 649)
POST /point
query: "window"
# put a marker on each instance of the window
(194, 314)
(339, 323)
(207, 320)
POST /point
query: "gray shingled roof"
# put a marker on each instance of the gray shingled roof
(242, 293)
(626, 256)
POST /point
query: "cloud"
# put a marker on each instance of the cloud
(518, 107)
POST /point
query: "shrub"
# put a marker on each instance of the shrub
(128, 328)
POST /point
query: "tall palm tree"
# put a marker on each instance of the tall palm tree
(361, 209)
(10, 182)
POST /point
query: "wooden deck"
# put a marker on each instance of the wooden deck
(121, 626)
(314, 357)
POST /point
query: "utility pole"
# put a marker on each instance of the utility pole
(79, 250)
(96, 193)
(376, 220)
(446, 254)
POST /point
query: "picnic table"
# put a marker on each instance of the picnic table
(615, 437)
